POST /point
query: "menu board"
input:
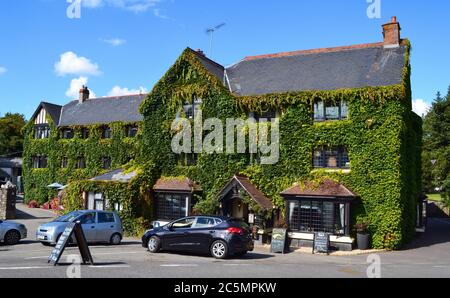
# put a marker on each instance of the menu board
(76, 229)
(321, 243)
(278, 244)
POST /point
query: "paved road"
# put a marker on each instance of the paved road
(427, 256)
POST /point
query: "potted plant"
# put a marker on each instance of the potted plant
(362, 234)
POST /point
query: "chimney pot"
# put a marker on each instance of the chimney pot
(201, 52)
(84, 94)
(391, 33)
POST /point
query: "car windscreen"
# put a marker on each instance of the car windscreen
(69, 217)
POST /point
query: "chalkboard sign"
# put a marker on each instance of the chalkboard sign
(321, 243)
(71, 228)
(278, 244)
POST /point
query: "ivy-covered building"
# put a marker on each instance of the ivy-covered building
(349, 147)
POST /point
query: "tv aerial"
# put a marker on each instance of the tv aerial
(211, 32)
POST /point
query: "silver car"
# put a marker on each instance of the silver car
(98, 227)
(11, 232)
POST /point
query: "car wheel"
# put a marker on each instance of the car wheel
(154, 244)
(219, 249)
(12, 237)
(115, 239)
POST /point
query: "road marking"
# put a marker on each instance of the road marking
(94, 254)
(24, 268)
(110, 266)
(238, 264)
(179, 265)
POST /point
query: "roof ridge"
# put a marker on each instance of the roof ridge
(205, 57)
(315, 51)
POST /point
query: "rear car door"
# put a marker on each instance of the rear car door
(203, 232)
(89, 225)
(106, 226)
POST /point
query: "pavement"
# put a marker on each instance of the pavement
(426, 256)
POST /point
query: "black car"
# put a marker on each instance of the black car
(219, 236)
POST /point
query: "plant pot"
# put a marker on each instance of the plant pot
(362, 239)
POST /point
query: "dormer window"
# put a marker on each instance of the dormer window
(84, 133)
(67, 133)
(131, 131)
(106, 132)
(324, 111)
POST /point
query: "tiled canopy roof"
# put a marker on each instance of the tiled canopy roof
(326, 188)
(176, 184)
(251, 190)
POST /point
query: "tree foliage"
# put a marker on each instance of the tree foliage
(11, 136)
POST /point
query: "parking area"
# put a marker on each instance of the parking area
(427, 256)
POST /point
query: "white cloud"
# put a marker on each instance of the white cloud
(135, 6)
(75, 86)
(115, 42)
(420, 107)
(119, 91)
(71, 63)
(157, 13)
(92, 3)
(3, 70)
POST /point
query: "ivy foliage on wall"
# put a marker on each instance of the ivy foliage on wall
(382, 137)
(93, 149)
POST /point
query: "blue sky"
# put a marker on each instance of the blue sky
(120, 46)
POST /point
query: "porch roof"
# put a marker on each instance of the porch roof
(327, 188)
(251, 190)
(183, 184)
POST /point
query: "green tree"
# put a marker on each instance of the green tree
(436, 144)
(11, 136)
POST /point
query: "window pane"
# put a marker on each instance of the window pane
(318, 159)
(345, 161)
(327, 217)
(294, 222)
(332, 111)
(344, 110)
(318, 111)
(339, 219)
(332, 158)
(305, 216)
(316, 217)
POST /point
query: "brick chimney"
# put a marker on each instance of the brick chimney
(84, 94)
(391, 33)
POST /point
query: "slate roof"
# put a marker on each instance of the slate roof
(251, 190)
(53, 110)
(323, 69)
(327, 188)
(3, 174)
(213, 67)
(176, 184)
(102, 110)
(15, 162)
(115, 176)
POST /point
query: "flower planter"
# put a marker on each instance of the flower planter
(362, 240)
